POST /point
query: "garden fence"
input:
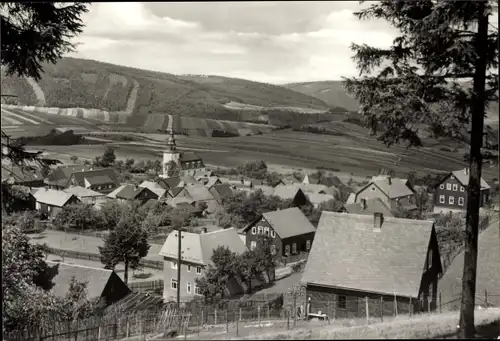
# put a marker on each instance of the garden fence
(237, 320)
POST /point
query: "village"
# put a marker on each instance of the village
(332, 245)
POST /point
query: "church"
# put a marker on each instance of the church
(189, 163)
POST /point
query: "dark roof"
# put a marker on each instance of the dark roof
(176, 190)
(127, 192)
(96, 278)
(386, 261)
(64, 172)
(288, 223)
(488, 270)
(189, 156)
(171, 182)
(224, 190)
(463, 177)
(375, 205)
(97, 176)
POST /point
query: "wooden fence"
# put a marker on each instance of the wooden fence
(147, 286)
(95, 257)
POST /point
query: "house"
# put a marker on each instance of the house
(368, 207)
(487, 276)
(221, 191)
(197, 250)
(310, 180)
(292, 232)
(266, 190)
(128, 192)
(101, 283)
(317, 199)
(293, 193)
(102, 180)
(50, 201)
(210, 181)
(385, 259)
(199, 193)
(59, 177)
(156, 188)
(85, 195)
(393, 192)
(450, 194)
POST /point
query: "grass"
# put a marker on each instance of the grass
(422, 326)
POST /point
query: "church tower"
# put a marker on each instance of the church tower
(170, 154)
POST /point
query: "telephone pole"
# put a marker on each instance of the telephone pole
(179, 258)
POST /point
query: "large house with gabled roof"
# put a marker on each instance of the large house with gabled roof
(450, 194)
(102, 180)
(384, 259)
(291, 231)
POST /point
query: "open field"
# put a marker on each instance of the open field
(359, 155)
(17, 122)
(81, 243)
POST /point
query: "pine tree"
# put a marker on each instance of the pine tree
(424, 79)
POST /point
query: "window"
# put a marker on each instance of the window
(462, 189)
(273, 234)
(448, 187)
(173, 284)
(451, 200)
(461, 201)
(308, 245)
(273, 249)
(287, 250)
(294, 248)
(441, 199)
(189, 287)
(455, 187)
(254, 230)
(341, 302)
(373, 188)
(189, 268)
(197, 290)
(266, 231)
(173, 265)
(441, 186)
(259, 229)
(198, 270)
(253, 245)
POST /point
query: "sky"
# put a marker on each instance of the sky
(272, 42)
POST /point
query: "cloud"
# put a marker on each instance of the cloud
(274, 42)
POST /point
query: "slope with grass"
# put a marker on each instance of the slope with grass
(73, 83)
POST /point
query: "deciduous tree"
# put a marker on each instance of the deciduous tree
(421, 80)
(127, 243)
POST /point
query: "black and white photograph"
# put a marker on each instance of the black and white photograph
(246, 170)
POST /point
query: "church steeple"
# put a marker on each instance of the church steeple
(171, 142)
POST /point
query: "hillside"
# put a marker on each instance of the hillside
(330, 92)
(333, 94)
(83, 83)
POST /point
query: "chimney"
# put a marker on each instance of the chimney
(378, 221)
(204, 230)
(363, 203)
(466, 171)
(389, 180)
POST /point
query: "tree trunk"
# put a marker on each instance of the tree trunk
(125, 274)
(467, 329)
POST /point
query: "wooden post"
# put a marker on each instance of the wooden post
(367, 311)
(227, 323)
(202, 320)
(258, 314)
(329, 311)
(429, 305)
(240, 313)
(76, 331)
(127, 333)
(288, 319)
(99, 333)
(268, 318)
(295, 309)
(381, 308)
(411, 308)
(440, 304)
(486, 298)
(334, 312)
(198, 321)
(237, 326)
(215, 317)
(395, 305)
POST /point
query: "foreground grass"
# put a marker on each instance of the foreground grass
(404, 327)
